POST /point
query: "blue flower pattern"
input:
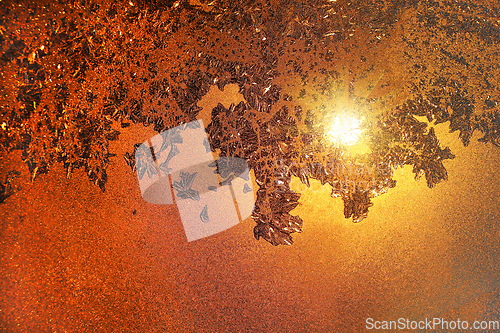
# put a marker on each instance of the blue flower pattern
(183, 187)
(229, 168)
(144, 162)
(207, 145)
(164, 165)
(204, 215)
(169, 140)
(246, 188)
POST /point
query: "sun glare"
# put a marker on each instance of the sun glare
(345, 130)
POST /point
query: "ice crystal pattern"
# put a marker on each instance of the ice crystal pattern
(69, 81)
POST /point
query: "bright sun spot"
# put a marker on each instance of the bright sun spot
(345, 130)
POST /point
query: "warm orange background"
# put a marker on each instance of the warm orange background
(78, 260)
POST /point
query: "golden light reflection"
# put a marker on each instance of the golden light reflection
(345, 130)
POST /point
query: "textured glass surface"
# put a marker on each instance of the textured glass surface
(335, 106)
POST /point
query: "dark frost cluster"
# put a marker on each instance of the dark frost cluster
(75, 72)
